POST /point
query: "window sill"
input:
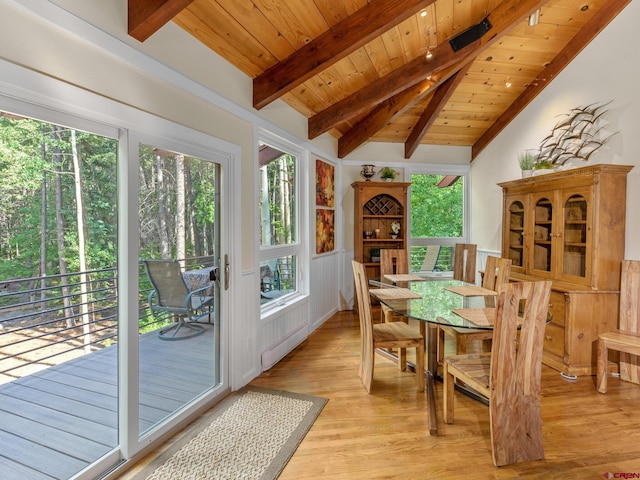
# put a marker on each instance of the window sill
(282, 306)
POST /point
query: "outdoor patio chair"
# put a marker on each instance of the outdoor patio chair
(170, 295)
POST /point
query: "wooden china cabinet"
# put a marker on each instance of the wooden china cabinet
(569, 227)
(376, 206)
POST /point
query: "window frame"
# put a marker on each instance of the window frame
(298, 247)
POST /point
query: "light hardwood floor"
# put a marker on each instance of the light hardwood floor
(385, 435)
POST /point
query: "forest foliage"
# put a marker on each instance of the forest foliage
(436, 212)
(41, 208)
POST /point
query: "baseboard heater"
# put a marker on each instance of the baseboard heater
(276, 352)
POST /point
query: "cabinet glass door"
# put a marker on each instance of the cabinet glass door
(574, 252)
(515, 240)
(543, 235)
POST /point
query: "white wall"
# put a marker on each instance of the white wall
(607, 69)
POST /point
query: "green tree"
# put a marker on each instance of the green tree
(436, 212)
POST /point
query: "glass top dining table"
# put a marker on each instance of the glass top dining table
(434, 301)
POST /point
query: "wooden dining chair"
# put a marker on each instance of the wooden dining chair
(496, 272)
(382, 335)
(509, 376)
(393, 261)
(464, 262)
(626, 339)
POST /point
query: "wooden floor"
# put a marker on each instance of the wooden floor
(384, 435)
(55, 422)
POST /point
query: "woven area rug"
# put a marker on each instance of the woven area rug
(251, 434)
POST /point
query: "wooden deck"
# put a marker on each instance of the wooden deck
(57, 421)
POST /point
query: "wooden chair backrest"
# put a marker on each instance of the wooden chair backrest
(514, 406)
(364, 312)
(430, 258)
(630, 316)
(464, 262)
(394, 261)
(630, 296)
(496, 272)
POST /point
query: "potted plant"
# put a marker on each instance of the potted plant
(543, 165)
(527, 163)
(395, 229)
(387, 173)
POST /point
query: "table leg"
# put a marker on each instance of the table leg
(429, 332)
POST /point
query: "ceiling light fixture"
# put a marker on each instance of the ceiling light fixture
(423, 13)
(429, 54)
(507, 83)
(534, 18)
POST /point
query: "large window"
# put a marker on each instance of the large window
(280, 245)
(438, 219)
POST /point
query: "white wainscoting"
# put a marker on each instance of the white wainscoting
(259, 343)
(244, 331)
(283, 330)
(325, 279)
(347, 293)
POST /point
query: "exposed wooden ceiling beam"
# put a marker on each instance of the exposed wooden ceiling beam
(377, 92)
(447, 181)
(587, 33)
(506, 16)
(336, 43)
(435, 106)
(381, 113)
(145, 17)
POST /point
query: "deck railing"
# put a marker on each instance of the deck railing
(47, 320)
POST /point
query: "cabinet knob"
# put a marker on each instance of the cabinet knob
(548, 337)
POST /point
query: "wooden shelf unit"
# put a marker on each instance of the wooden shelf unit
(376, 206)
(569, 227)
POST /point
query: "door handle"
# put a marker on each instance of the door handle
(226, 271)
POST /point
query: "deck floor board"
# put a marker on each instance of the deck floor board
(59, 420)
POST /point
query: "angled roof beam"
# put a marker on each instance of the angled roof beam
(145, 17)
(587, 33)
(336, 43)
(381, 113)
(503, 18)
(437, 103)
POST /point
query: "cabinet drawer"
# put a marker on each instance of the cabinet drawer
(554, 339)
(557, 307)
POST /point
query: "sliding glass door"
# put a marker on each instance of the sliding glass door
(180, 280)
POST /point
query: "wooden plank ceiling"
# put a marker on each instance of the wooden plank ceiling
(402, 71)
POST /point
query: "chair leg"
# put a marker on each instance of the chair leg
(402, 359)
(176, 327)
(441, 337)
(367, 364)
(420, 367)
(461, 344)
(601, 369)
(448, 394)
